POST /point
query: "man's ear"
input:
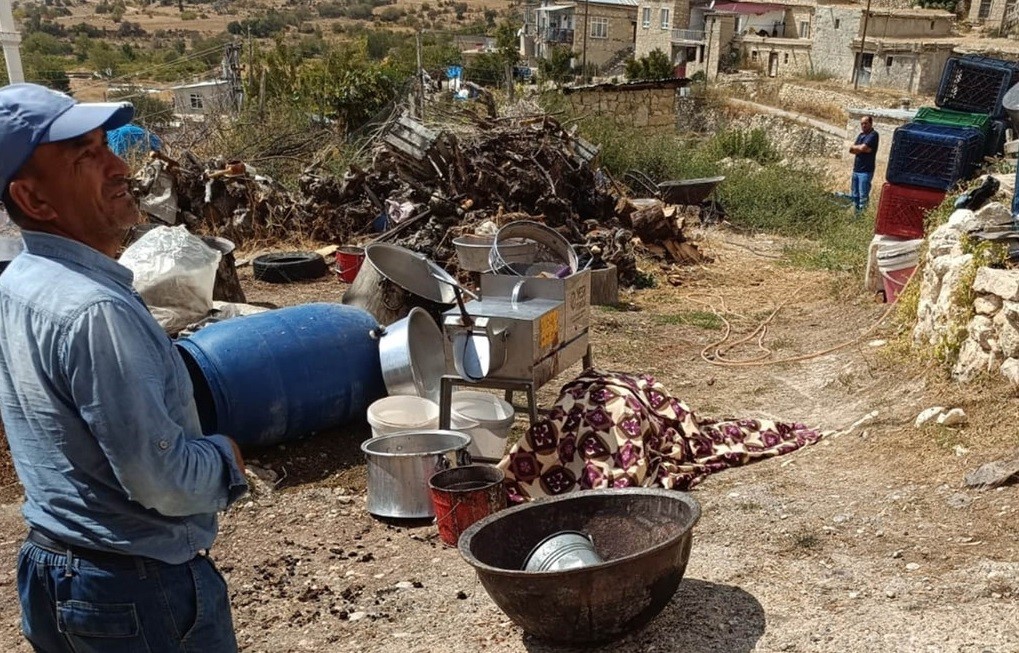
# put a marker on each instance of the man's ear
(33, 205)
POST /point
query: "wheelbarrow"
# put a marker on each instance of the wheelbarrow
(686, 191)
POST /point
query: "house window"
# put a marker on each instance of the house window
(985, 9)
(838, 21)
(196, 101)
(888, 62)
(646, 17)
(805, 29)
(786, 60)
(753, 56)
(599, 28)
(665, 19)
(932, 25)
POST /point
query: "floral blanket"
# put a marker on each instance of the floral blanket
(616, 430)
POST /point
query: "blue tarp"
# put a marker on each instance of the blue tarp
(132, 137)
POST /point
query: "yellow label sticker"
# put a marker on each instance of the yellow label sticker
(548, 333)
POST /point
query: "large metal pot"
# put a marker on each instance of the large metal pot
(412, 356)
(394, 279)
(400, 465)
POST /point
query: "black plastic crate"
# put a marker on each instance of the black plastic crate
(976, 84)
(934, 156)
(996, 138)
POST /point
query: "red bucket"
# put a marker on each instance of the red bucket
(348, 262)
(463, 495)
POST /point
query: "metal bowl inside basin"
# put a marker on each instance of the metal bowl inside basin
(643, 534)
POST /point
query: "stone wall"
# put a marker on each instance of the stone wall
(793, 57)
(653, 37)
(986, 331)
(620, 31)
(792, 139)
(641, 105)
(914, 72)
(793, 94)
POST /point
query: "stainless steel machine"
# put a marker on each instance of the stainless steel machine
(520, 334)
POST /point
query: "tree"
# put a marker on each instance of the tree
(654, 65)
(558, 66)
(344, 85)
(149, 110)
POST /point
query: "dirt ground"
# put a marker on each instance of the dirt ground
(868, 541)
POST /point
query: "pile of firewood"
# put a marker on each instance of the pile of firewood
(426, 186)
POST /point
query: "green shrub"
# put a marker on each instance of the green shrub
(742, 144)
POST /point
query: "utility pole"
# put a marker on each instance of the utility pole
(587, 28)
(863, 41)
(10, 39)
(420, 81)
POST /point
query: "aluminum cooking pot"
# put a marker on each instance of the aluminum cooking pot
(412, 355)
(400, 465)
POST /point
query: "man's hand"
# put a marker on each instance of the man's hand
(237, 455)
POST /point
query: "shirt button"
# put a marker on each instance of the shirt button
(164, 445)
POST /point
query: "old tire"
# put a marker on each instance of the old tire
(287, 267)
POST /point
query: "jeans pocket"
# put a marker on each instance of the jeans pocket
(100, 627)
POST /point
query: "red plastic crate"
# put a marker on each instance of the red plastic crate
(902, 209)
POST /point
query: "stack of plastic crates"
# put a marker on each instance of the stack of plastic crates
(902, 210)
(950, 118)
(976, 84)
(934, 156)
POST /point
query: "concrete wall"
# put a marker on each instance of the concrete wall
(909, 25)
(913, 72)
(835, 27)
(653, 108)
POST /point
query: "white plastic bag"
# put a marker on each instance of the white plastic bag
(174, 272)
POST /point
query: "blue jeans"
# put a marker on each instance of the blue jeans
(138, 605)
(860, 187)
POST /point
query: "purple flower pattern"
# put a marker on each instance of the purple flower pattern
(619, 430)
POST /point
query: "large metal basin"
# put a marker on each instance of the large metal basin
(400, 465)
(644, 536)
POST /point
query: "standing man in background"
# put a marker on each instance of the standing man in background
(121, 487)
(865, 149)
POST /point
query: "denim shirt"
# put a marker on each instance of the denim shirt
(99, 411)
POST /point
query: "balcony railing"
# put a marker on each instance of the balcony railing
(559, 35)
(695, 35)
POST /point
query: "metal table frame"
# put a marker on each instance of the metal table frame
(509, 385)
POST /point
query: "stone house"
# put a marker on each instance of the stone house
(774, 37)
(204, 98)
(1001, 16)
(601, 31)
(903, 49)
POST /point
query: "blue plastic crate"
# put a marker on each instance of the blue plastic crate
(934, 156)
(976, 84)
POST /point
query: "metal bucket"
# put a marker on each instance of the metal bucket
(561, 551)
(400, 465)
(412, 355)
(394, 280)
(463, 495)
(552, 252)
(472, 252)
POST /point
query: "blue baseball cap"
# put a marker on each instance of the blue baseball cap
(31, 115)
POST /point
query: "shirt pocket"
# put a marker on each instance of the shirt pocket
(97, 621)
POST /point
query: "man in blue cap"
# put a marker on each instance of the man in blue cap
(121, 488)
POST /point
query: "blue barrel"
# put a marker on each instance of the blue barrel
(283, 374)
